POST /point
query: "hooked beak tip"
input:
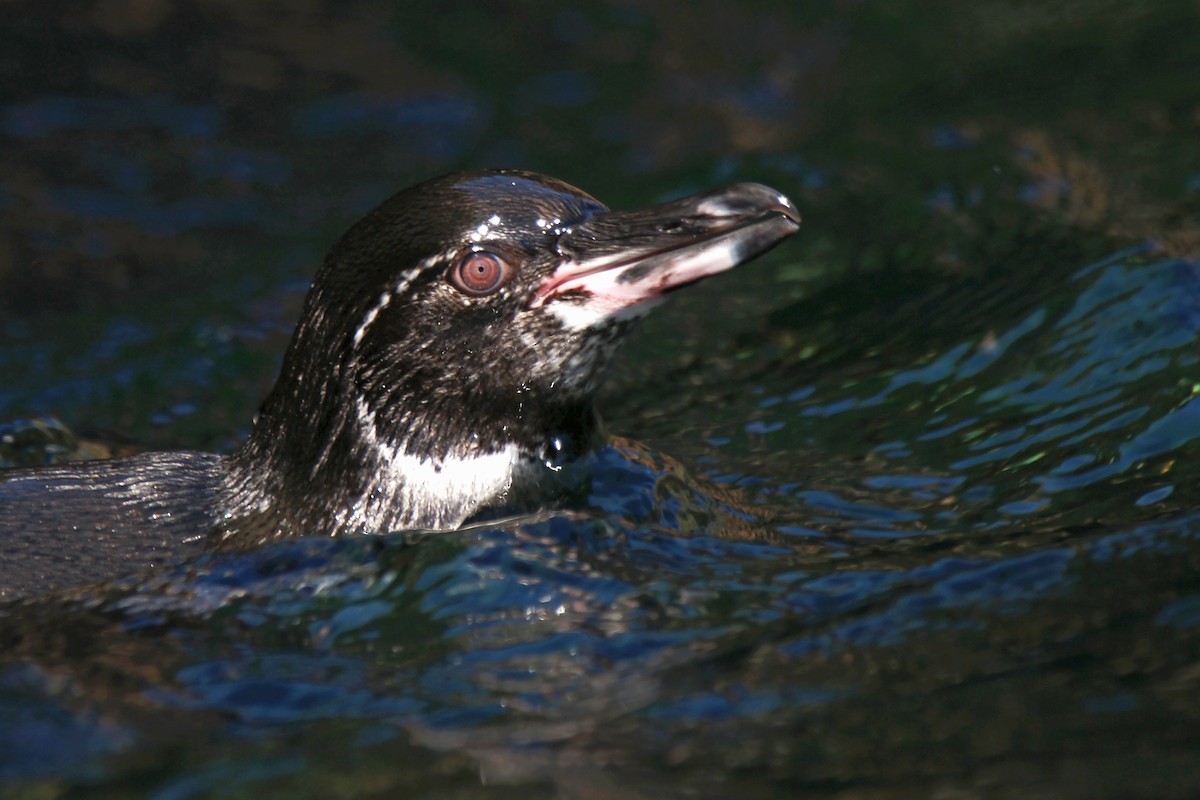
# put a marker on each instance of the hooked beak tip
(630, 257)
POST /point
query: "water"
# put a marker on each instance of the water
(916, 518)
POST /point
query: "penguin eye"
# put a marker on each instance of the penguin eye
(480, 273)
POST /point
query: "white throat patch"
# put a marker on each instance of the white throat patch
(408, 491)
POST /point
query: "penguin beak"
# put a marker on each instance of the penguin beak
(618, 260)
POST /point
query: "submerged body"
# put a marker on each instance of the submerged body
(86, 522)
(444, 367)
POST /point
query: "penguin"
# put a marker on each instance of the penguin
(444, 369)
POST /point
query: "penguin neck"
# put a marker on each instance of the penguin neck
(319, 463)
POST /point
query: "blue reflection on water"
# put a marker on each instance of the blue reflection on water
(156, 217)
(282, 688)
(1097, 390)
(932, 531)
(52, 114)
(43, 736)
(1184, 613)
(441, 124)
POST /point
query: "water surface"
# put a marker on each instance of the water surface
(904, 509)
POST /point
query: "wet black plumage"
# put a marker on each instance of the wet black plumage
(444, 365)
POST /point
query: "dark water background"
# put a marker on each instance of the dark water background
(906, 509)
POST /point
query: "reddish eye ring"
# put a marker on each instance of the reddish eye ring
(480, 273)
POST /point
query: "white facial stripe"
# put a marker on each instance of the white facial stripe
(402, 283)
(380, 305)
